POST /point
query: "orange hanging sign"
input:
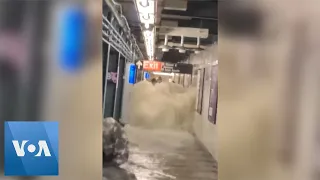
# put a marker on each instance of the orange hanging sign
(152, 65)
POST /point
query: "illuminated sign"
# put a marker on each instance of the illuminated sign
(132, 74)
(72, 38)
(146, 75)
(177, 68)
(152, 65)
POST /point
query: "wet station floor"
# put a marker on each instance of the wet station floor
(168, 155)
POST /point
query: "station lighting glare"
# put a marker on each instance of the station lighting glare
(147, 25)
(144, 3)
(149, 42)
(165, 49)
(146, 9)
(182, 50)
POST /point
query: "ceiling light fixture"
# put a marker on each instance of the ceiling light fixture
(146, 16)
(144, 3)
(149, 42)
(181, 48)
(198, 49)
(146, 9)
(165, 47)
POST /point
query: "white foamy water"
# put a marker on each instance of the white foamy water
(161, 145)
(165, 105)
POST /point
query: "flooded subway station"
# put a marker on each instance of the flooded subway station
(162, 88)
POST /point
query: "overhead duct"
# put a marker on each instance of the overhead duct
(177, 5)
(169, 23)
(171, 16)
(184, 31)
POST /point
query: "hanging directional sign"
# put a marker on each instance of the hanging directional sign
(152, 65)
(168, 67)
(183, 68)
(139, 64)
(177, 68)
(158, 66)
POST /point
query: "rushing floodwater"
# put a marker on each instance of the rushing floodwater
(161, 145)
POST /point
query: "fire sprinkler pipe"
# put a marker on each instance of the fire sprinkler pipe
(111, 3)
(120, 19)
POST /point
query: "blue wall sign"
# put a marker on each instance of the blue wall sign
(146, 75)
(132, 74)
(72, 38)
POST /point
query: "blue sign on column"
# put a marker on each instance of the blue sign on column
(146, 75)
(132, 74)
(72, 38)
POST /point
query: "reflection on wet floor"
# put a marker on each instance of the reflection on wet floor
(168, 155)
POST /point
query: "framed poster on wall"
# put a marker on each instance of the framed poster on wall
(200, 83)
(213, 100)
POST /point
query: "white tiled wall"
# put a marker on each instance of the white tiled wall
(205, 130)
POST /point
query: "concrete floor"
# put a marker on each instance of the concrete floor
(168, 155)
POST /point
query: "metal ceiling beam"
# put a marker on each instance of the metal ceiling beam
(171, 16)
(188, 46)
(184, 31)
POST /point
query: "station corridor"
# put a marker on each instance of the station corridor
(168, 155)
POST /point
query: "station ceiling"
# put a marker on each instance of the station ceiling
(177, 13)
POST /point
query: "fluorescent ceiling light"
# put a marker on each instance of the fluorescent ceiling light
(149, 42)
(146, 9)
(144, 3)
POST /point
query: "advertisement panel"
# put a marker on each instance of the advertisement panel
(213, 100)
(200, 83)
